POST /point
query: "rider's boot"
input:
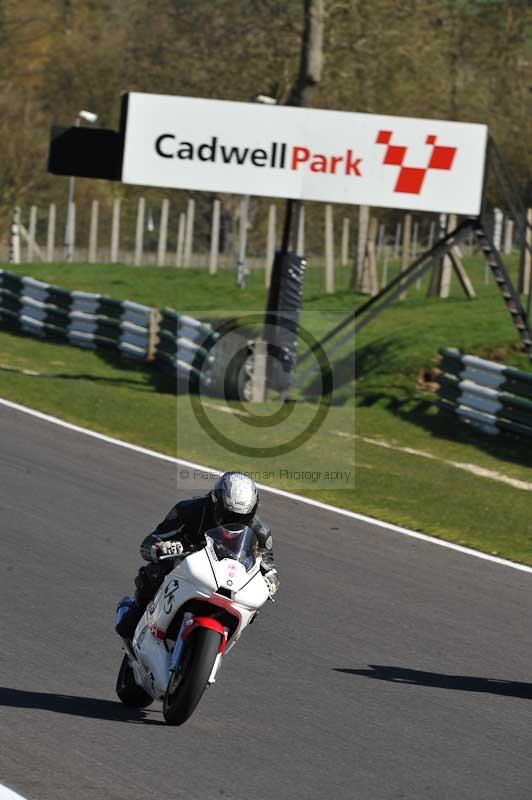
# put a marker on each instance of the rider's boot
(128, 615)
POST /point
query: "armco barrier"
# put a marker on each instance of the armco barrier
(488, 395)
(171, 342)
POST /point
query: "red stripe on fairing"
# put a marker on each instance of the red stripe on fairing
(207, 622)
(157, 632)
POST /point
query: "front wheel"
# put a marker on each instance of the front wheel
(187, 684)
(128, 690)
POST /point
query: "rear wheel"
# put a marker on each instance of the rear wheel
(127, 689)
(186, 685)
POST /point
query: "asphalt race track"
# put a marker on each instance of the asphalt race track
(388, 668)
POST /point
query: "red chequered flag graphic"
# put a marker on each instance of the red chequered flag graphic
(410, 179)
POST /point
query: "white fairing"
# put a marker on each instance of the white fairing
(196, 577)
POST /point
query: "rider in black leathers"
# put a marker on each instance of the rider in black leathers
(186, 523)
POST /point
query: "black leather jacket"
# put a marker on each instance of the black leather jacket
(188, 520)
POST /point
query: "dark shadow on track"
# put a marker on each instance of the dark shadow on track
(91, 707)
(439, 681)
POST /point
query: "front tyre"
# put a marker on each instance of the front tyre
(187, 684)
(130, 693)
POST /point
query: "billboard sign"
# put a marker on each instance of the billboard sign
(302, 153)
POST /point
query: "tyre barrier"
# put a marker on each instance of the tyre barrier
(171, 342)
(487, 395)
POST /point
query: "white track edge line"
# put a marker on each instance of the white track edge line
(280, 492)
(9, 794)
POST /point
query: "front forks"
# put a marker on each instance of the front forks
(188, 619)
(178, 649)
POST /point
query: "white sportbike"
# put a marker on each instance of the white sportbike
(196, 617)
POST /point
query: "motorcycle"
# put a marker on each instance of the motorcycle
(197, 616)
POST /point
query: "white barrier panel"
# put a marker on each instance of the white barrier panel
(311, 154)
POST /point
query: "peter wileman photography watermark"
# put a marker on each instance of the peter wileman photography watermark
(312, 476)
(304, 432)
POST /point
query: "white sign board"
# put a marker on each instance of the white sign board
(301, 153)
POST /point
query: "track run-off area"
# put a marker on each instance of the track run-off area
(391, 665)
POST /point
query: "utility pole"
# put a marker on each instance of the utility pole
(88, 116)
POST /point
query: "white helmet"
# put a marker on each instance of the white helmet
(234, 498)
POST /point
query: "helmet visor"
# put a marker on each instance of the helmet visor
(224, 516)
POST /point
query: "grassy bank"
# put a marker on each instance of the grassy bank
(424, 490)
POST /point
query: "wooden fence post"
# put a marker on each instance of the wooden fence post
(415, 239)
(215, 237)
(32, 230)
(329, 250)
(93, 232)
(189, 233)
(180, 249)
(447, 266)
(345, 242)
(508, 236)
(371, 259)
(163, 233)
(525, 267)
(397, 241)
(384, 274)
(497, 227)
(406, 248)
(139, 234)
(297, 237)
(115, 230)
(270, 244)
(72, 231)
(363, 226)
(300, 245)
(433, 289)
(432, 231)
(14, 254)
(382, 242)
(242, 241)
(50, 238)
(259, 371)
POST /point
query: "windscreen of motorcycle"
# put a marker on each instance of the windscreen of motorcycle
(236, 542)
